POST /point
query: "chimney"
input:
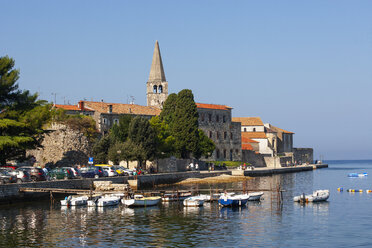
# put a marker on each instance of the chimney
(81, 105)
(110, 109)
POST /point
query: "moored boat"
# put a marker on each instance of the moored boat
(233, 200)
(357, 174)
(176, 196)
(317, 196)
(74, 201)
(141, 201)
(194, 201)
(104, 201)
(255, 196)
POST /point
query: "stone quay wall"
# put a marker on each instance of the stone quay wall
(10, 192)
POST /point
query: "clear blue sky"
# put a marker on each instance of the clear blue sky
(304, 66)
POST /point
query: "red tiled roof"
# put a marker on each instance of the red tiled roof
(282, 130)
(212, 106)
(120, 108)
(249, 121)
(247, 147)
(67, 107)
(247, 140)
(253, 135)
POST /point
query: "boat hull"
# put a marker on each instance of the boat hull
(193, 202)
(146, 201)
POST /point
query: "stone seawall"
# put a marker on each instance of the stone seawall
(10, 192)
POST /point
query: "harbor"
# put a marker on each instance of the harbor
(170, 223)
(16, 192)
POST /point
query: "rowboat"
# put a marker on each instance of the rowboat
(357, 174)
(193, 201)
(141, 201)
(74, 201)
(317, 196)
(233, 200)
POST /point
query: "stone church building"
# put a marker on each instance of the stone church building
(215, 120)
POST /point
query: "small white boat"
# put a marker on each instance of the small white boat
(194, 201)
(180, 196)
(231, 199)
(104, 201)
(141, 201)
(317, 196)
(74, 201)
(255, 196)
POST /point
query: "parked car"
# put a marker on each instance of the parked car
(36, 174)
(7, 177)
(76, 172)
(119, 170)
(87, 172)
(98, 170)
(22, 176)
(110, 171)
(61, 173)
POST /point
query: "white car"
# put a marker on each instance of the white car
(110, 171)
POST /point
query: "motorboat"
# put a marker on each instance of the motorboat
(104, 201)
(357, 174)
(141, 201)
(74, 201)
(317, 196)
(233, 200)
(176, 196)
(255, 196)
(194, 201)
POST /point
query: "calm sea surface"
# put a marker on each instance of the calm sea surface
(344, 221)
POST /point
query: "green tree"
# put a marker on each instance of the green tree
(100, 150)
(185, 126)
(143, 139)
(22, 115)
(169, 108)
(119, 132)
(206, 146)
(164, 139)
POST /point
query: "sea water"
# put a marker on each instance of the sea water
(343, 221)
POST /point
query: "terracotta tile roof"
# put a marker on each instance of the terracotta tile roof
(120, 108)
(212, 106)
(253, 135)
(247, 147)
(67, 107)
(247, 140)
(249, 121)
(281, 130)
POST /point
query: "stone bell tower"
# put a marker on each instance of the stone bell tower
(157, 86)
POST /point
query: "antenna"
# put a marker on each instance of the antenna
(55, 97)
(132, 99)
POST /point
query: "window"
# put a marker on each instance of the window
(202, 117)
(224, 119)
(210, 117)
(225, 135)
(237, 151)
(218, 153)
(231, 136)
(160, 89)
(116, 121)
(217, 118)
(254, 129)
(210, 134)
(155, 90)
(224, 153)
(245, 129)
(104, 121)
(218, 135)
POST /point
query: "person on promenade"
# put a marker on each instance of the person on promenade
(196, 166)
(192, 166)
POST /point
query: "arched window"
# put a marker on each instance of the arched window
(218, 153)
(224, 153)
(155, 89)
(160, 89)
(254, 129)
(245, 129)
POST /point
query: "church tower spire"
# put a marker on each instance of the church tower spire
(157, 86)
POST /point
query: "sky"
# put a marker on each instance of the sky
(303, 66)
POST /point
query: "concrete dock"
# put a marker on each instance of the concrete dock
(257, 172)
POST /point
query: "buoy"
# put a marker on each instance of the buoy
(351, 190)
(368, 191)
(340, 189)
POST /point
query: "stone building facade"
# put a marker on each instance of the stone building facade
(216, 122)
